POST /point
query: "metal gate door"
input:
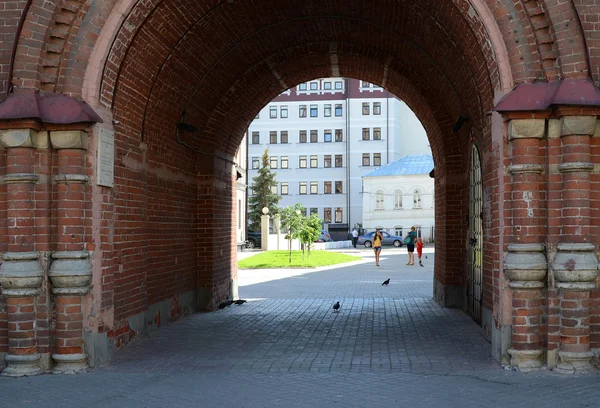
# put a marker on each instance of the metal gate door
(475, 254)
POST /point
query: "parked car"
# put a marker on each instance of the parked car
(253, 240)
(324, 237)
(367, 239)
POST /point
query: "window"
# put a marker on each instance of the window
(339, 85)
(366, 108)
(302, 187)
(338, 215)
(366, 134)
(366, 159)
(417, 199)
(302, 87)
(314, 210)
(327, 161)
(327, 214)
(283, 111)
(365, 84)
(327, 135)
(379, 200)
(284, 162)
(273, 162)
(314, 162)
(314, 187)
(302, 136)
(314, 111)
(398, 201)
(273, 112)
(376, 108)
(302, 111)
(273, 137)
(327, 187)
(255, 138)
(376, 159)
(376, 134)
(338, 187)
(338, 109)
(339, 135)
(284, 189)
(327, 85)
(314, 136)
(302, 164)
(327, 110)
(314, 86)
(398, 231)
(283, 136)
(338, 160)
(255, 163)
(274, 189)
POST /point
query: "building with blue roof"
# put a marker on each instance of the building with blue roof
(399, 195)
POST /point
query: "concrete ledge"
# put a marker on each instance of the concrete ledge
(100, 348)
(332, 245)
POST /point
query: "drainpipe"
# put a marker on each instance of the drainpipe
(348, 151)
(387, 125)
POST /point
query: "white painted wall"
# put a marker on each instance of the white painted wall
(391, 219)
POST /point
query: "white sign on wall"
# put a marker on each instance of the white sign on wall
(106, 158)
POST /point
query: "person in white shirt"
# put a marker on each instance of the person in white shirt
(354, 237)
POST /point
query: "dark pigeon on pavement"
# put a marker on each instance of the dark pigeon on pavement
(336, 307)
(223, 305)
(240, 301)
(386, 282)
(230, 302)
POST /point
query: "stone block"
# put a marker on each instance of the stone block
(527, 128)
(578, 125)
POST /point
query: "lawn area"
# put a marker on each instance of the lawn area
(281, 259)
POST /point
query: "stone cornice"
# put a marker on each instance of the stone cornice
(575, 166)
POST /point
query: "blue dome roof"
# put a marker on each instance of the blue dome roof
(408, 165)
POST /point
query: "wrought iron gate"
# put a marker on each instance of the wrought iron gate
(475, 237)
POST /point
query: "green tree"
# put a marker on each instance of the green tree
(292, 219)
(309, 232)
(263, 195)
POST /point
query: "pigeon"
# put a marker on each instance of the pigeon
(386, 282)
(240, 301)
(230, 302)
(425, 256)
(223, 305)
(336, 307)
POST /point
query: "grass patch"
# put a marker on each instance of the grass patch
(281, 259)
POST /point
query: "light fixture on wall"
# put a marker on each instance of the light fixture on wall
(459, 123)
(186, 127)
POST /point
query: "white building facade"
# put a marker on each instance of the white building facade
(399, 196)
(323, 136)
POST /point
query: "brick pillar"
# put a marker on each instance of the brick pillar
(525, 264)
(71, 270)
(3, 244)
(20, 272)
(216, 181)
(575, 265)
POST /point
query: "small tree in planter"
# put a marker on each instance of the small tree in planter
(292, 218)
(309, 232)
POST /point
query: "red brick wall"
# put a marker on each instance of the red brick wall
(3, 246)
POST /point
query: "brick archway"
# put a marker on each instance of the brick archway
(142, 64)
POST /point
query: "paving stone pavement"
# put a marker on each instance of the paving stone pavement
(286, 347)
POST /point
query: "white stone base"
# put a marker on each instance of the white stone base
(574, 362)
(21, 365)
(526, 360)
(69, 363)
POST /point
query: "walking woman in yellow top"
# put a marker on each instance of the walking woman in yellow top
(377, 240)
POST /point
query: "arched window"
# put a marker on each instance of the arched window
(417, 199)
(398, 200)
(379, 200)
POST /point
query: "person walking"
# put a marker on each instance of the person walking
(354, 237)
(410, 240)
(420, 246)
(377, 241)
